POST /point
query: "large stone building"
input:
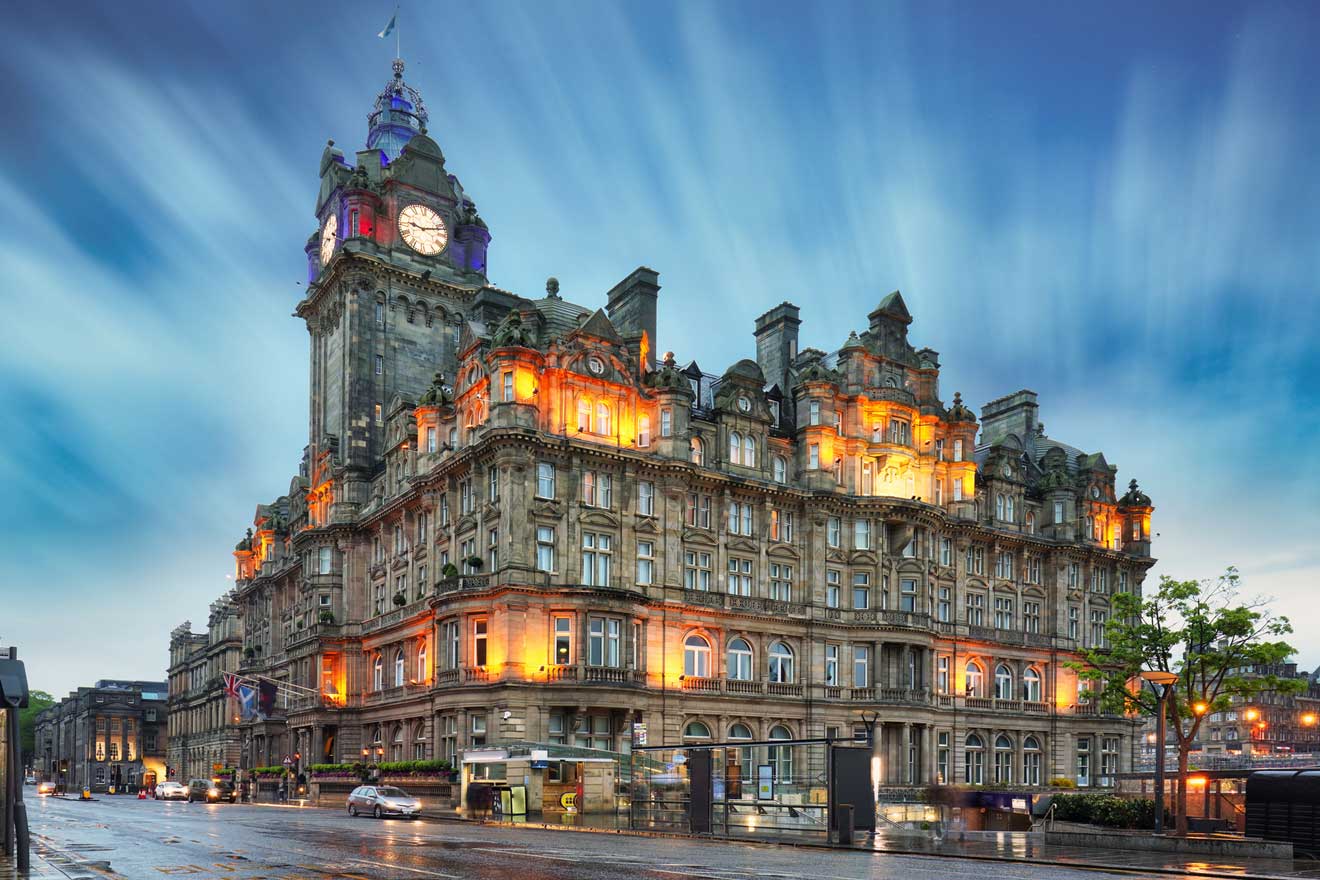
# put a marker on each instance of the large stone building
(514, 521)
(204, 732)
(111, 734)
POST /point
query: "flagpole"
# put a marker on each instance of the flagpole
(398, 35)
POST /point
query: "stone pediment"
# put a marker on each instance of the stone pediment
(836, 555)
(783, 551)
(599, 519)
(647, 524)
(863, 557)
(698, 536)
(599, 326)
(743, 545)
(547, 509)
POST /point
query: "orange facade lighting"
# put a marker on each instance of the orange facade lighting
(1308, 720)
(1251, 714)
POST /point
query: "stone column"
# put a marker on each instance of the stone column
(904, 745)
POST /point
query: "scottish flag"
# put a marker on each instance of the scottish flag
(247, 701)
(389, 28)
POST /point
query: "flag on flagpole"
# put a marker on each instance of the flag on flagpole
(389, 28)
(247, 701)
(231, 684)
(266, 692)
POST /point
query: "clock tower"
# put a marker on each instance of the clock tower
(394, 265)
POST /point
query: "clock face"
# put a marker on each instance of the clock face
(744, 405)
(329, 238)
(423, 230)
(596, 365)
(1095, 491)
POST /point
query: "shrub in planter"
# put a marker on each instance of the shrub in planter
(1061, 782)
(450, 570)
(327, 617)
(475, 562)
(400, 599)
(249, 652)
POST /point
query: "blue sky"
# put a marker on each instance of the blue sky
(1117, 207)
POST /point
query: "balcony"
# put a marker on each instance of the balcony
(875, 617)
(461, 583)
(783, 689)
(703, 685)
(398, 615)
(446, 677)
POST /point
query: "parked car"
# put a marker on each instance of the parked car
(29, 780)
(171, 791)
(382, 800)
(46, 787)
(204, 790)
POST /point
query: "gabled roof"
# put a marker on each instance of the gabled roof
(893, 305)
(599, 326)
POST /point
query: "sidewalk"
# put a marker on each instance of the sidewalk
(40, 869)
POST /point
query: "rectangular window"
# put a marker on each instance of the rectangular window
(430, 440)
(1031, 617)
(939, 449)
(444, 510)
(1033, 570)
(781, 582)
(380, 314)
(1108, 760)
(832, 665)
(479, 641)
(833, 531)
(907, 595)
(957, 450)
(946, 551)
(1083, 761)
(379, 419)
(813, 412)
(645, 562)
(813, 456)
(597, 553)
(325, 557)
(898, 431)
(465, 502)
(563, 640)
(545, 548)
(646, 498)
(450, 635)
(596, 641)
(596, 489)
(696, 571)
(698, 511)
(492, 547)
(942, 757)
(861, 590)
(506, 381)
(944, 607)
(492, 485)
(666, 423)
(1100, 582)
(831, 588)
(1122, 581)
(1072, 622)
(1098, 636)
(380, 364)
(942, 664)
(861, 666)
(613, 627)
(1003, 613)
(861, 534)
(545, 479)
(478, 738)
(1074, 574)
(740, 577)
(975, 609)
(1058, 512)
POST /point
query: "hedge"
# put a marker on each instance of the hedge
(1108, 810)
(276, 770)
(384, 767)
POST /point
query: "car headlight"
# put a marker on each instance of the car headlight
(417, 805)
(214, 791)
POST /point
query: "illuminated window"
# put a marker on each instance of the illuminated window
(378, 673)
(813, 412)
(739, 660)
(832, 665)
(749, 451)
(698, 511)
(379, 420)
(698, 454)
(780, 469)
(832, 579)
(735, 448)
(643, 431)
(563, 647)
(646, 498)
(479, 641)
(696, 658)
(583, 415)
(545, 548)
(975, 682)
(942, 674)
(781, 663)
(602, 418)
(666, 423)
(899, 432)
(423, 673)
(596, 489)
(399, 668)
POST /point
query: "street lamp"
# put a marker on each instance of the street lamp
(1161, 683)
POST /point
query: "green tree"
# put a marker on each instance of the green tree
(27, 723)
(1221, 648)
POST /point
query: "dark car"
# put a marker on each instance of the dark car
(211, 791)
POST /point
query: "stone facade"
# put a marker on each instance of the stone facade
(204, 728)
(513, 521)
(114, 733)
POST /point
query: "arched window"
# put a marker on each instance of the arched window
(419, 741)
(423, 674)
(1003, 760)
(740, 760)
(698, 452)
(378, 674)
(1031, 523)
(643, 431)
(584, 414)
(1003, 682)
(781, 663)
(781, 757)
(740, 731)
(602, 418)
(399, 670)
(749, 451)
(740, 660)
(974, 760)
(396, 743)
(781, 469)
(376, 734)
(1031, 760)
(696, 657)
(1031, 685)
(696, 730)
(975, 679)
(735, 447)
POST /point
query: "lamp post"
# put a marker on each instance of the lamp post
(1161, 683)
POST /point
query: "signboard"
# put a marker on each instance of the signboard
(639, 733)
(568, 800)
(765, 782)
(216, 768)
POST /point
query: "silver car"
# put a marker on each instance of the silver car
(382, 800)
(171, 790)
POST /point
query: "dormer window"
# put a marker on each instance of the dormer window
(643, 431)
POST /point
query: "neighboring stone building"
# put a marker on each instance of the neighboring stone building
(1268, 725)
(111, 734)
(204, 728)
(514, 522)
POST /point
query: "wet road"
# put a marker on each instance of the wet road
(123, 837)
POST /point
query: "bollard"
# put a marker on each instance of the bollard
(844, 813)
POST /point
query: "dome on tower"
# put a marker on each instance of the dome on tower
(398, 116)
